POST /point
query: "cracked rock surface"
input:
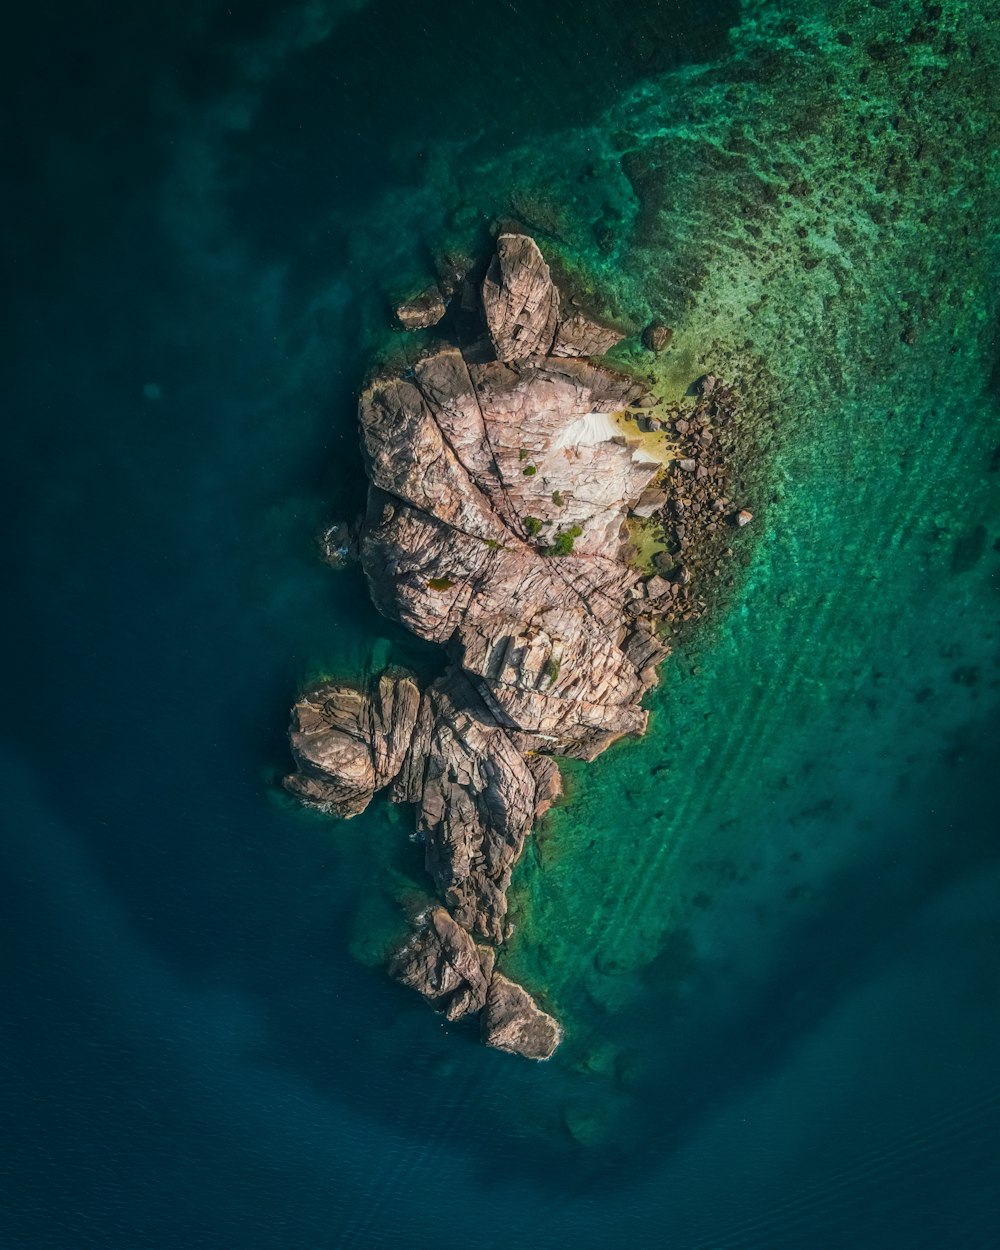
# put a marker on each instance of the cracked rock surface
(498, 494)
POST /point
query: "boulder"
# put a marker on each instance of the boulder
(580, 336)
(349, 741)
(706, 384)
(658, 588)
(514, 1022)
(421, 311)
(657, 336)
(649, 502)
(520, 300)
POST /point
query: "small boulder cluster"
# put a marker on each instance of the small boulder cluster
(695, 507)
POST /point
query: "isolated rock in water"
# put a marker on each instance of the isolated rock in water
(580, 336)
(443, 963)
(495, 525)
(657, 336)
(349, 741)
(421, 311)
(520, 300)
(514, 1022)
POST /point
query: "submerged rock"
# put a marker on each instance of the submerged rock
(657, 336)
(339, 544)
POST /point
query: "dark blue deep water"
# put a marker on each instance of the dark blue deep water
(205, 207)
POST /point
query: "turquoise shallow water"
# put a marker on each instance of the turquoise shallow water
(770, 927)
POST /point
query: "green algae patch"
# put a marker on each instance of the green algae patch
(645, 539)
(564, 541)
(654, 446)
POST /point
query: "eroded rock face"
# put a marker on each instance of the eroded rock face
(349, 741)
(520, 299)
(495, 526)
(443, 963)
(476, 807)
(578, 335)
(421, 311)
(457, 975)
(513, 1021)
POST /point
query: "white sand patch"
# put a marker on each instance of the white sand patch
(648, 459)
(587, 431)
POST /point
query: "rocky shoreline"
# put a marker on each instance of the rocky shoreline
(541, 516)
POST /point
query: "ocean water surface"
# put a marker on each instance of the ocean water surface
(770, 927)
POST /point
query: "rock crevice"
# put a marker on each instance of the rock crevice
(495, 526)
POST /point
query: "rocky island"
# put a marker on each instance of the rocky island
(511, 478)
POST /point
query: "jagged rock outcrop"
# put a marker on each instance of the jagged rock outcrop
(349, 742)
(421, 311)
(442, 962)
(457, 975)
(495, 525)
(513, 1021)
(476, 807)
(520, 299)
(578, 335)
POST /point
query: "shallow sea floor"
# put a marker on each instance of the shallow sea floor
(770, 926)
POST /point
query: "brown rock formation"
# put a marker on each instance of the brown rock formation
(657, 336)
(495, 524)
(512, 1021)
(580, 336)
(348, 743)
(421, 311)
(442, 962)
(520, 300)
